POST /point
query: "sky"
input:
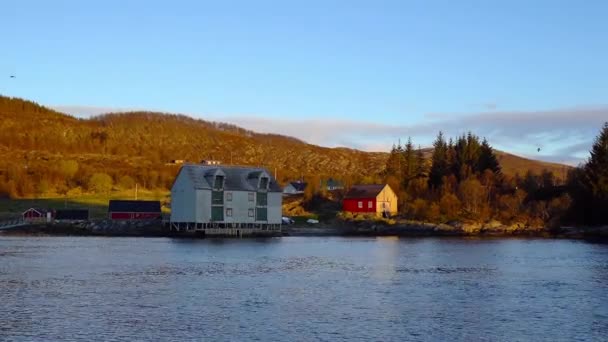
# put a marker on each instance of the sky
(360, 74)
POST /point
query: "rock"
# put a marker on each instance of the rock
(493, 225)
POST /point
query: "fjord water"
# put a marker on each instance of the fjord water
(301, 289)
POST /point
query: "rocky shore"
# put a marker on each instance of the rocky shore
(334, 228)
(93, 228)
(419, 229)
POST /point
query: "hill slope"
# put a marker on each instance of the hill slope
(36, 140)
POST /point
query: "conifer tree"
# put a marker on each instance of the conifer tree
(487, 159)
(409, 161)
(420, 163)
(597, 166)
(392, 163)
(439, 166)
(588, 185)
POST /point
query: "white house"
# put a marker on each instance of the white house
(294, 188)
(226, 200)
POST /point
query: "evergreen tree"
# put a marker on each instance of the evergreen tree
(392, 163)
(439, 163)
(597, 166)
(467, 151)
(595, 191)
(420, 163)
(409, 162)
(487, 159)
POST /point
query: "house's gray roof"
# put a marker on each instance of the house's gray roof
(299, 186)
(237, 178)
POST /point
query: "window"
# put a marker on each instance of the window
(251, 197)
(229, 212)
(251, 212)
(360, 205)
(217, 198)
(262, 199)
(228, 196)
(219, 182)
(264, 183)
(369, 204)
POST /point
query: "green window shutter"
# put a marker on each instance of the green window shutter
(261, 214)
(217, 213)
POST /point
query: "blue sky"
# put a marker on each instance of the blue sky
(354, 73)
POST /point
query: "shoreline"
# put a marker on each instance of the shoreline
(336, 229)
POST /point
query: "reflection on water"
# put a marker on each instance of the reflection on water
(284, 289)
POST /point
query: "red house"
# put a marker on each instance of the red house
(36, 215)
(378, 199)
(134, 210)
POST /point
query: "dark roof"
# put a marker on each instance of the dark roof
(121, 206)
(364, 191)
(72, 214)
(334, 183)
(299, 186)
(236, 178)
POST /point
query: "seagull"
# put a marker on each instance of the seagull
(12, 76)
(538, 149)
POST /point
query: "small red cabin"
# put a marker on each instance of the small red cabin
(376, 199)
(36, 215)
(134, 210)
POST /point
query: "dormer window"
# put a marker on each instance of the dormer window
(219, 182)
(264, 183)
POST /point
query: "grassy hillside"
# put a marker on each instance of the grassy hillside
(45, 153)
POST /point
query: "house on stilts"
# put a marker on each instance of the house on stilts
(213, 199)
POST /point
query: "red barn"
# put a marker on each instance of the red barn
(134, 210)
(377, 199)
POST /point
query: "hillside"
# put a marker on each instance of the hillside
(36, 142)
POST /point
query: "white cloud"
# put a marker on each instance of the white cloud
(88, 111)
(564, 135)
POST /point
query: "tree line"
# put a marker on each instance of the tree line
(464, 181)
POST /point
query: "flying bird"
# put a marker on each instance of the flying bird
(538, 149)
(12, 76)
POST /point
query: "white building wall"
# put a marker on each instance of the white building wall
(183, 199)
(203, 206)
(275, 207)
(240, 206)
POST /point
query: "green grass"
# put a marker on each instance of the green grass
(96, 203)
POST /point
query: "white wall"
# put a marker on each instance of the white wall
(202, 206)
(183, 199)
(240, 206)
(275, 207)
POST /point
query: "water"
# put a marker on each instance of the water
(302, 289)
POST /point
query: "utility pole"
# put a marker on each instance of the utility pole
(136, 191)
